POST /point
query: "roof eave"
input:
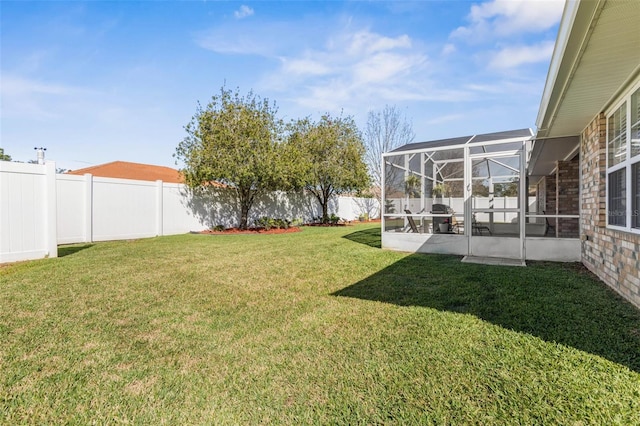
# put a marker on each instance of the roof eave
(573, 35)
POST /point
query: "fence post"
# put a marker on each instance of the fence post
(159, 207)
(88, 208)
(51, 215)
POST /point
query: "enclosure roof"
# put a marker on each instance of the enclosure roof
(463, 140)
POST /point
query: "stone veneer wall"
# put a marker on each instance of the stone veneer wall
(612, 255)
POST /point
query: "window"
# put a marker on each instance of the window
(635, 123)
(617, 136)
(623, 163)
(617, 210)
(635, 159)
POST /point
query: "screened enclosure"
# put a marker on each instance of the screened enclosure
(465, 196)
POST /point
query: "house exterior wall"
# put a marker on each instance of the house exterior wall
(568, 197)
(612, 255)
(550, 194)
(541, 195)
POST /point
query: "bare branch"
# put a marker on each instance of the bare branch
(386, 130)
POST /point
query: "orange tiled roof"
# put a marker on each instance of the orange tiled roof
(137, 171)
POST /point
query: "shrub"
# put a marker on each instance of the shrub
(265, 222)
(269, 222)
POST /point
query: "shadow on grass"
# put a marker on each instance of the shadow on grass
(69, 250)
(557, 302)
(370, 237)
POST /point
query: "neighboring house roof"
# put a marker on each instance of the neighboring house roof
(497, 136)
(137, 171)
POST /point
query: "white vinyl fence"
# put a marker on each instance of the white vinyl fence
(27, 211)
(40, 209)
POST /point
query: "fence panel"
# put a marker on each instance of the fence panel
(351, 208)
(123, 209)
(179, 211)
(287, 205)
(74, 210)
(27, 213)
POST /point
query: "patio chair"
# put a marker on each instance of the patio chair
(412, 223)
(478, 227)
(549, 227)
(457, 225)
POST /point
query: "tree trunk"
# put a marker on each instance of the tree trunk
(246, 200)
(244, 216)
(325, 216)
(326, 195)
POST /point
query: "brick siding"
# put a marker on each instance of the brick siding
(612, 255)
(568, 197)
(562, 196)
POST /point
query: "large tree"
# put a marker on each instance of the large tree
(3, 156)
(235, 140)
(330, 156)
(386, 130)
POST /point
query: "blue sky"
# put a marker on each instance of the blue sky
(99, 81)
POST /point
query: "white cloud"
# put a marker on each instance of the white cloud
(514, 56)
(243, 12)
(304, 66)
(37, 99)
(240, 45)
(511, 32)
(445, 119)
(502, 18)
(268, 39)
(352, 65)
(448, 49)
(329, 66)
(19, 86)
(494, 88)
(365, 42)
(385, 67)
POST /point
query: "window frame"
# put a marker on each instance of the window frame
(628, 164)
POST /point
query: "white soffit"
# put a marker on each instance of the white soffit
(546, 152)
(600, 55)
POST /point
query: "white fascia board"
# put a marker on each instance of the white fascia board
(566, 24)
(576, 31)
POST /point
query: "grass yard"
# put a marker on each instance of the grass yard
(315, 327)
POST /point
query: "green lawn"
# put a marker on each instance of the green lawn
(320, 326)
